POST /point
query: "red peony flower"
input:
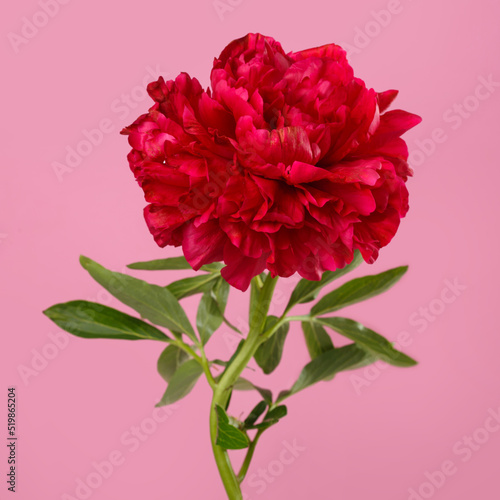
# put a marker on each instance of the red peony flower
(288, 163)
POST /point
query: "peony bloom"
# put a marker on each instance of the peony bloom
(288, 163)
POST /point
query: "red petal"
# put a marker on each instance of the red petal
(203, 244)
(240, 269)
(385, 99)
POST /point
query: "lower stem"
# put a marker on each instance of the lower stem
(249, 456)
(223, 389)
(226, 472)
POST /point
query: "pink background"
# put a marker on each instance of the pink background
(374, 434)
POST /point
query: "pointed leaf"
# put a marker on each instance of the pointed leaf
(162, 264)
(317, 340)
(324, 366)
(259, 409)
(242, 384)
(277, 413)
(307, 290)
(208, 318)
(357, 290)
(229, 437)
(268, 354)
(368, 340)
(169, 361)
(272, 417)
(191, 286)
(182, 382)
(221, 293)
(95, 321)
(173, 263)
(152, 302)
(214, 267)
(259, 306)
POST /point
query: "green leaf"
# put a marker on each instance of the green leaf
(324, 366)
(306, 290)
(255, 291)
(182, 382)
(214, 267)
(169, 361)
(152, 302)
(173, 263)
(191, 286)
(357, 290)
(221, 293)
(272, 417)
(368, 340)
(95, 321)
(317, 340)
(269, 353)
(161, 264)
(208, 318)
(260, 300)
(277, 413)
(229, 437)
(242, 384)
(255, 414)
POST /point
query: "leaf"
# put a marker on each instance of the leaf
(277, 413)
(357, 290)
(221, 293)
(162, 264)
(169, 361)
(182, 382)
(191, 286)
(272, 417)
(259, 305)
(242, 384)
(259, 409)
(95, 321)
(152, 302)
(229, 437)
(306, 290)
(214, 267)
(173, 263)
(269, 353)
(317, 340)
(368, 340)
(324, 366)
(255, 291)
(208, 318)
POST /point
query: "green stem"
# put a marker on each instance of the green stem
(284, 319)
(206, 368)
(182, 345)
(249, 456)
(224, 386)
